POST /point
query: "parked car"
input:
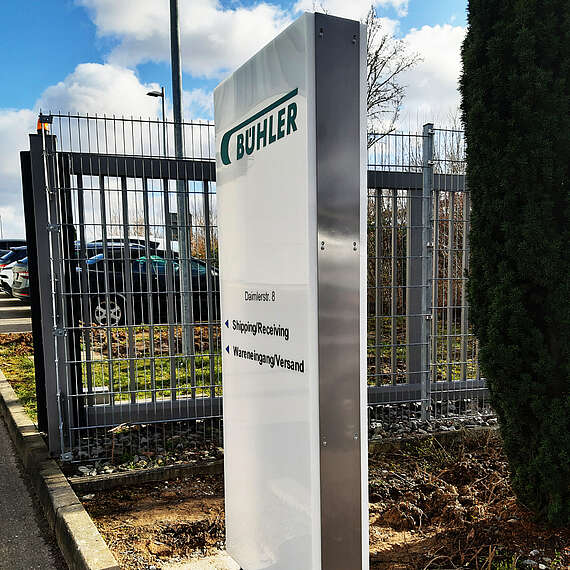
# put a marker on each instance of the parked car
(94, 247)
(7, 278)
(21, 283)
(108, 290)
(7, 262)
(114, 246)
(8, 243)
(13, 254)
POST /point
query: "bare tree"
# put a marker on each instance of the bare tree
(387, 58)
(136, 224)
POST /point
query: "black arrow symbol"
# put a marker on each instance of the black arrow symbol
(228, 349)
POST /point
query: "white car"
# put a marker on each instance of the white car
(7, 278)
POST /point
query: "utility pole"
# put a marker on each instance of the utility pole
(181, 189)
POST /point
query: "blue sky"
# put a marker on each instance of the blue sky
(49, 38)
(102, 56)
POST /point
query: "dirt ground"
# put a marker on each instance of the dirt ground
(430, 507)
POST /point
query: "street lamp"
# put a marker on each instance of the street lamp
(161, 95)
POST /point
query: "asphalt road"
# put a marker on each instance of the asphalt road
(15, 316)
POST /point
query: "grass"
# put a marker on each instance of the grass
(107, 363)
(147, 377)
(16, 361)
(126, 377)
(446, 366)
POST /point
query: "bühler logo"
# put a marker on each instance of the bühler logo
(266, 131)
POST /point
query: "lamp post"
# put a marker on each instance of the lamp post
(161, 95)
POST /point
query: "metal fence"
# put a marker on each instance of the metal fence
(110, 210)
(107, 201)
(422, 354)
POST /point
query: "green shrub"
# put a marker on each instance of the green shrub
(516, 110)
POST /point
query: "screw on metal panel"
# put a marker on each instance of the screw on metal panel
(322, 245)
(429, 244)
(324, 444)
(67, 456)
(355, 436)
(428, 317)
(431, 162)
(354, 38)
(53, 227)
(353, 246)
(59, 332)
(321, 32)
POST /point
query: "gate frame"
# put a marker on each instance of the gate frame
(44, 172)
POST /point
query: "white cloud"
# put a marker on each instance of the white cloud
(14, 128)
(15, 125)
(213, 39)
(101, 88)
(198, 104)
(432, 85)
(91, 88)
(353, 9)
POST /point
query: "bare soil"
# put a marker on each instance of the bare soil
(430, 507)
(156, 522)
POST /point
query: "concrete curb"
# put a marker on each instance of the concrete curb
(77, 537)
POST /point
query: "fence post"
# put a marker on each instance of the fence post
(464, 271)
(209, 300)
(42, 148)
(378, 304)
(427, 253)
(414, 285)
(37, 332)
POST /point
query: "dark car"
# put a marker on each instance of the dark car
(21, 283)
(154, 289)
(113, 246)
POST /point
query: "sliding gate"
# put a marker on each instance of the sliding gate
(125, 275)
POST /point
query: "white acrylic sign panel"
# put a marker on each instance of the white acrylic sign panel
(266, 200)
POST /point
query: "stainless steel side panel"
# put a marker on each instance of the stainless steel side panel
(338, 138)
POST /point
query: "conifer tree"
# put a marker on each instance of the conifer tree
(516, 111)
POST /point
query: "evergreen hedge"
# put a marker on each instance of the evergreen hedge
(516, 110)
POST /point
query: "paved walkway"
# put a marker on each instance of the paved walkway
(26, 542)
(15, 316)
